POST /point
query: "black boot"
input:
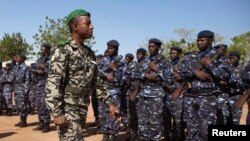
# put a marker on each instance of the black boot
(23, 122)
(46, 128)
(113, 137)
(39, 127)
(9, 112)
(105, 137)
(19, 123)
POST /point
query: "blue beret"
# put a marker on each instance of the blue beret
(156, 41)
(129, 55)
(220, 45)
(113, 43)
(235, 53)
(206, 34)
(141, 50)
(176, 48)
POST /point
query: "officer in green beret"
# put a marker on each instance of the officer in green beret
(72, 75)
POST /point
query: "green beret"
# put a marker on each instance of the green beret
(76, 13)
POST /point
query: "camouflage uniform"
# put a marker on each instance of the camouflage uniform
(1, 89)
(150, 103)
(126, 85)
(200, 102)
(39, 91)
(71, 75)
(246, 80)
(21, 90)
(8, 87)
(172, 114)
(110, 125)
(32, 96)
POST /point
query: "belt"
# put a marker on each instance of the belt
(75, 90)
(201, 91)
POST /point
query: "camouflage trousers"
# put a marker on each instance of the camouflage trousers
(42, 110)
(248, 113)
(222, 109)
(75, 108)
(1, 100)
(234, 112)
(150, 111)
(109, 124)
(7, 99)
(173, 116)
(22, 107)
(32, 99)
(200, 111)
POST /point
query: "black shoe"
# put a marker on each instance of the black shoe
(105, 137)
(9, 112)
(39, 127)
(23, 122)
(93, 124)
(46, 129)
(18, 124)
(114, 137)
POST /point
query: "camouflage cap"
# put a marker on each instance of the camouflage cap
(76, 13)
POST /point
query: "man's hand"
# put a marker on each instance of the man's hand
(60, 121)
(153, 66)
(110, 78)
(177, 76)
(206, 61)
(113, 110)
(202, 75)
(151, 76)
(112, 66)
(41, 66)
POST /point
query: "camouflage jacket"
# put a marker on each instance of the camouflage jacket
(8, 81)
(246, 75)
(73, 70)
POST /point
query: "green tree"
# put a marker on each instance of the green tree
(55, 31)
(12, 44)
(241, 44)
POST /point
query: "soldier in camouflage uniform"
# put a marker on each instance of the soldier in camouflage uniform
(222, 108)
(125, 86)
(150, 103)
(72, 73)
(21, 90)
(140, 55)
(204, 71)
(8, 87)
(94, 100)
(32, 96)
(236, 87)
(172, 114)
(40, 73)
(246, 80)
(111, 68)
(1, 89)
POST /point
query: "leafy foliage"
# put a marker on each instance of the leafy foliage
(12, 44)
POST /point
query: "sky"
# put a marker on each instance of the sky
(131, 22)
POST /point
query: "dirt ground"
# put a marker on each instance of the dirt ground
(8, 132)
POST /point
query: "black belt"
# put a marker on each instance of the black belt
(201, 91)
(76, 90)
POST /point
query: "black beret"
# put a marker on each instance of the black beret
(22, 56)
(99, 56)
(220, 45)
(176, 48)
(48, 46)
(156, 41)
(141, 50)
(235, 53)
(113, 43)
(129, 55)
(8, 64)
(206, 34)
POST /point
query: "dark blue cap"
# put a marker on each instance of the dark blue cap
(176, 48)
(99, 56)
(156, 41)
(129, 55)
(206, 34)
(141, 50)
(48, 46)
(22, 55)
(113, 43)
(220, 46)
(234, 53)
